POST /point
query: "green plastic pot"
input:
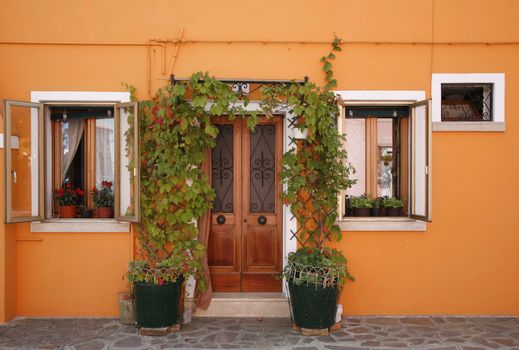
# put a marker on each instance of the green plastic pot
(313, 306)
(158, 306)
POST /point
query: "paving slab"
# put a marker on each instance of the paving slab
(357, 333)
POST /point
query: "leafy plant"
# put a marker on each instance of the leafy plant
(392, 202)
(68, 195)
(377, 202)
(176, 131)
(315, 169)
(103, 196)
(361, 202)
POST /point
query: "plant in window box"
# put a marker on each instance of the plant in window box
(361, 205)
(84, 212)
(103, 198)
(376, 208)
(314, 172)
(68, 198)
(393, 206)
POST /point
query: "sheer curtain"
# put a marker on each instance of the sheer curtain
(72, 131)
(104, 150)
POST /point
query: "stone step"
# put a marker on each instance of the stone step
(246, 305)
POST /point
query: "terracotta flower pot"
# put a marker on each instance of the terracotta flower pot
(105, 212)
(67, 211)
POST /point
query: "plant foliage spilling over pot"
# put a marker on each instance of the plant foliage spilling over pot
(176, 131)
(315, 172)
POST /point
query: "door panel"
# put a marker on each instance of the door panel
(245, 242)
(225, 232)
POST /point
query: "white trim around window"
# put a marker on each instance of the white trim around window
(498, 101)
(386, 97)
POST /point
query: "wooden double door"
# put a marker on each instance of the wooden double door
(245, 239)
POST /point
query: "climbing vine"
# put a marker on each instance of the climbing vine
(176, 131)
(315, 171)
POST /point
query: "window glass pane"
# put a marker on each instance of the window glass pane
(24, 162)
(72, 152)
(104, 150)
(466, 102)
(356, 147)
(385, 152)
(263, 169)
(222, 168)
(419, 158)
(127, 165)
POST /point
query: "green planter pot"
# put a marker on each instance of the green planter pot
(158, 306)
(313, 306)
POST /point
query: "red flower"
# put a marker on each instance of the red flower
(61, 192)
(68, 185)
(80, 192)
(160, 281)
(309, 251)
(103, 183)
(109, 184)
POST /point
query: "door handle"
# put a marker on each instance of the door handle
(14, 176)
(220, 219)
(262, 220)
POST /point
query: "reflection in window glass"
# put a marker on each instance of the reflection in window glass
(104, 150)
(385, 157)
(466, 102)
(356, 147)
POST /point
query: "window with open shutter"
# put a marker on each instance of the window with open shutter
(421, 155)
(23, 143)
(127, 161)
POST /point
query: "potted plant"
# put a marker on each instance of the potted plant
(376, 208)
(176, 131)
(361, 205)
(68, 198)
(393, 206)
(314, 175)
(103, 198)
(84, 212)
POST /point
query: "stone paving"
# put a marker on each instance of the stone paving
(357, 333)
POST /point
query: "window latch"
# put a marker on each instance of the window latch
(426, 170)
(14, 175)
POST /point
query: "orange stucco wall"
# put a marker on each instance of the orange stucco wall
(465, 263)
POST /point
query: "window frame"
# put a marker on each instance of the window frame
(382, 98)
(56, 143)
(498, 101)
(42, 100)
(40, 193)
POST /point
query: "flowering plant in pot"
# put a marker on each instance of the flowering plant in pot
(314, 172)
(103, 199)
(176, 131)
(68, 198)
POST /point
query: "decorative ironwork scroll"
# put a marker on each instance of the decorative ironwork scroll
(263, 169)
(222, 163)
(466, 102)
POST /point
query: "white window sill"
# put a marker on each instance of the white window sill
(469, 126)
(80, 225)
(382, 224)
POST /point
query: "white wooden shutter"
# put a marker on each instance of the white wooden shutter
(421, 167)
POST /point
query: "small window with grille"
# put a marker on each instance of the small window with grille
(466, 102)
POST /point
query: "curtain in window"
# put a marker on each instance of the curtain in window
(72, 131)
(104, 150)
(203, 299)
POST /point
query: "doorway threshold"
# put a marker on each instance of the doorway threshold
(248, 296)
(246, 305)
